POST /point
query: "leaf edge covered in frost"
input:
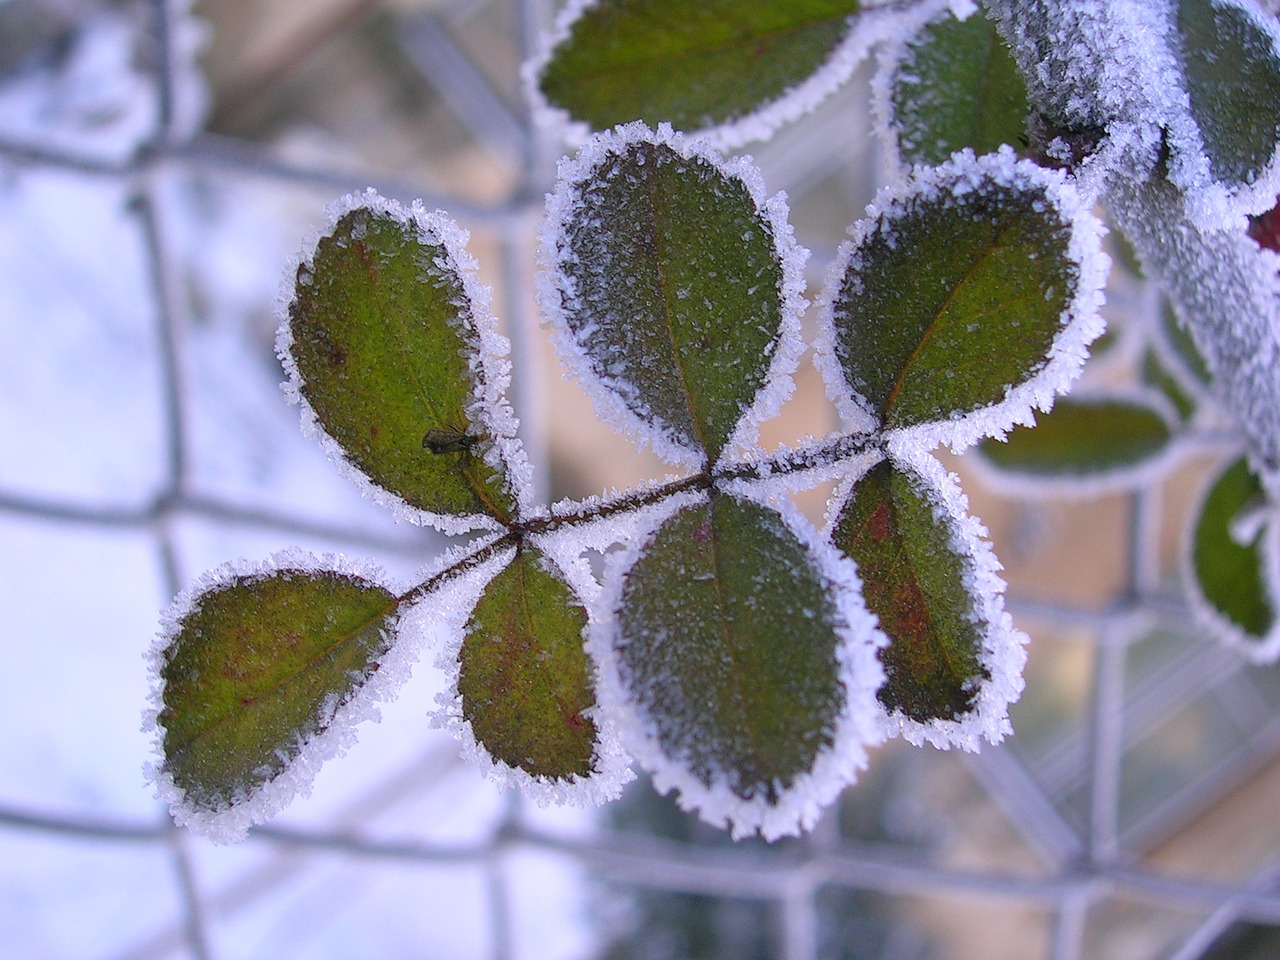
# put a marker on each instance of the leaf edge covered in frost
(1212, 203)
(890, 60)
(612, 763)
(856, 727)
(872, 26)
(1012, 482)
(1080, 323)
(230, 824)
(553, 294)
(490, 369)
(1003, 653)
(1264, 650)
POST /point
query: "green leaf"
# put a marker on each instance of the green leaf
(524, 678)
(956, 85)
(1233, 79)
(727, 645)
(257, 668)
(916, 583)
(1229, 574)
(385, 343)
(954, 295)
(1083, 438)
(693, 65)
(672, 286)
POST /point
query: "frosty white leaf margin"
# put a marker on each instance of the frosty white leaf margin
(1002, 654)
(680, 761)
(333, 731)
(447, 612)
(964, 177)
(620, 389)
(488, 410)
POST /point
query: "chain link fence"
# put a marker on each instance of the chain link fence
(155, 178)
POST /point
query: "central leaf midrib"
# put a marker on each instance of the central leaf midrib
(668, 326)
(730, 645)
(951, 657)
(927, 334)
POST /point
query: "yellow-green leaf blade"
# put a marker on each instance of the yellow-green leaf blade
(525, 682)
(254, 671)
(1088, 438)
(384, 343)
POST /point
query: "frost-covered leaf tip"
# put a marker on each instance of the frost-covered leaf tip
(390, 347)
(675, 288)
(966, 298)
(743, 668)
(733, 69)
(253, 671)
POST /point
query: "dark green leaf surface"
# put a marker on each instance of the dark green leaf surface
(727, 643)
(1230, 575)
(693, 65)
(914, 581)
(381, 332)
(957, 86)
(1233, 79)
(677, 299)
(524, 677)
(953, 300)
(1080, 438)
(257, 668)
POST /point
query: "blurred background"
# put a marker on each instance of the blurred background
(160, 163)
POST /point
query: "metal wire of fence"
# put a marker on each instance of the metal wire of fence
(1067, 798)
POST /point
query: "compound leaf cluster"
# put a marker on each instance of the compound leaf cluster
(744, 658)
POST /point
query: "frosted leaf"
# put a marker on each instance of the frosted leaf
(674, 288)
(1088, 444)
(260, 674)
(948, 84)
(954, 661)
(526, 688)
(1226, 290)
(394, 357)
(1227, 160)
(729, 70)
(965, 299)
(1232, 553)
(741, 662)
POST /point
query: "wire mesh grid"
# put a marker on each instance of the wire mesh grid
(1096, 831)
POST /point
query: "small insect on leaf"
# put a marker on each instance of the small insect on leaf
(448, 440)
